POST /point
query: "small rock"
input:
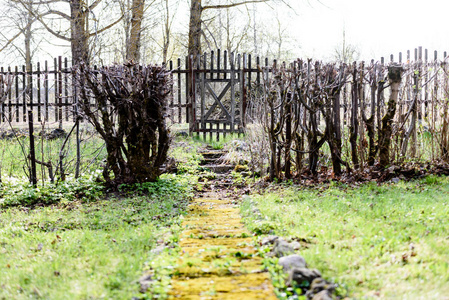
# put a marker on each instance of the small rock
(395, 180)
(282, 248)
(317, 285)
(295, 245)
(158, 250)
(145, 282)
(268, 240)
(323, 295)
(302, 276)
(292, 261)
(39, 247)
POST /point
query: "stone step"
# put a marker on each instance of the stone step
(212, 154)
(220, 169)
(208, 161)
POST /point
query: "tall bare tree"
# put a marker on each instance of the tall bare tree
(346, 52)
(52, 14)
(21, 29)
(195, 23)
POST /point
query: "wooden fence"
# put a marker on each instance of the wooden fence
(46, 90)
(215, 102)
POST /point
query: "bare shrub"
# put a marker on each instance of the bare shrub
(129, 112)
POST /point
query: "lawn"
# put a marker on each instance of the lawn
(70, 240)
(93, 249)
(389, 241)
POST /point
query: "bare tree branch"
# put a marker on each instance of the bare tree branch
(56, 34)
(232, 4)
(95, 4)
(56, 12)
(10, 40)
(107, 27)
(41, 2)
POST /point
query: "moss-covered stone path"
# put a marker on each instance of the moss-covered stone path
(217, 260)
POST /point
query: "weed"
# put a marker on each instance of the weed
(432, 179)
(16, 192)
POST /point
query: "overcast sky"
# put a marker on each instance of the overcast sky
(378, 28)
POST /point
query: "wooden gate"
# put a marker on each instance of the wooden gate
(219, 95)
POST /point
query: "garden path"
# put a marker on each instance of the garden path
(218, 259)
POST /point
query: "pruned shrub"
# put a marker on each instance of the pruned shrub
(127, 106)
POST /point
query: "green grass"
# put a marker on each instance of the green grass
(14, 152)
(19, 192)
(217, 145)
(388, 241)
(88, 250)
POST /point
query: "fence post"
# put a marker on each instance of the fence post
(33, 177)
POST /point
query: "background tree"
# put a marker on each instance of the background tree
(22, 31)
(196, 21)
(346, 52)
(73, 21)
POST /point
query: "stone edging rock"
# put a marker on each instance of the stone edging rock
(295, 269)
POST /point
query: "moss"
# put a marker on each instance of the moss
(218, 260)
(241, 168)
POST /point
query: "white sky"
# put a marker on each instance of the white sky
(378, 28)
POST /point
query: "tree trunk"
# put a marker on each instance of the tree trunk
(272, 140)
(413, 109)
(354, 127)
(444, 145)
(79, 35)
(167, 30)
(288, 140)
(194, 46)
(313, 144)
(370, 121)
(133, 45)
(395, 77)
(28, 36)
(334, 134)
